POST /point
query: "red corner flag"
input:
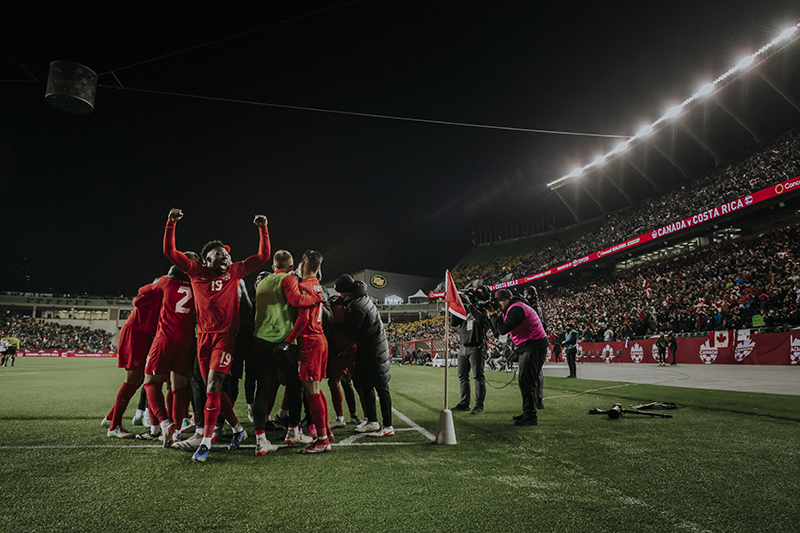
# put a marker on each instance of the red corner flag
(451, 297)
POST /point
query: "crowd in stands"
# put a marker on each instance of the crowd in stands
(736, 284)
(421, 329)
(777, 162)
(36, 335)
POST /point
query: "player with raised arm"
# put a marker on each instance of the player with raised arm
(312, 352)
(216, 291)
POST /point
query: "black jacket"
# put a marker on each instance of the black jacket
(475, 335)
(362, 322)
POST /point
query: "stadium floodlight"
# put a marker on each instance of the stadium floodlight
(644, 132)
(745, 62)
(621, 147)
(784, 35)
(705, 90)
(576, 172)
(599, 160)
(673, 112)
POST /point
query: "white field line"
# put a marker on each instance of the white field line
(349, 441)
(19, 374)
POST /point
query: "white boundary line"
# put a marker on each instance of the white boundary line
(18, 374)
(349, 441)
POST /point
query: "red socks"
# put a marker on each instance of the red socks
(180, 403)
(124, 396)
(155, 402)
(318, 416)
(211, 414)
(336, 398)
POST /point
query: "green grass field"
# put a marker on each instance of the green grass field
(726, 462)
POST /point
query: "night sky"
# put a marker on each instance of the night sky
(85, 197)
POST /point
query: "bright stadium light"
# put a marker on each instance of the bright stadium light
(621, 147)
(705, 90)
(673, 112)
(745, 62)
(789, 33)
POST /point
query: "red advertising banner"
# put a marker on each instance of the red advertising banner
(658, 233)
(59, 353)
(728, 348)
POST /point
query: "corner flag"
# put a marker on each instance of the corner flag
(451, 297)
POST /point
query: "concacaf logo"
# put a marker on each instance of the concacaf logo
(378, 281)
(743, 349)
(794, 350)
(637, 353)
(708, 354)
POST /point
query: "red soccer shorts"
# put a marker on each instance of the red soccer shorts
(166, 356)
(215, 352)
(312, 357)
(133, 347)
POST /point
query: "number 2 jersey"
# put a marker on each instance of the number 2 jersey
(178, 317)
(216, 297)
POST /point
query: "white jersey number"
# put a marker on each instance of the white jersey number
(187, 295)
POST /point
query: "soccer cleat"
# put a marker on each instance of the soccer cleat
(312, 431)
(192, 442)
(237, 439)
(201, 454)
(369, 427)
(146, 418)
(148, 436)
(527, 422)
(355, 420)
(317, 446)
(295, 436)
(460, 407)
(217, 434)
(170, 436)
(281, 421)
(388, 431)
(250, 412)
(106, 423)
(339, 423)
(120, 433)
(263, 445)
(269, 426)
(137, 420)
(186, 423)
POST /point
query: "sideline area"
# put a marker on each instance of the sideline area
(770, 379)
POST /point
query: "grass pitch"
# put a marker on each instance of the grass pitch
(727, 461)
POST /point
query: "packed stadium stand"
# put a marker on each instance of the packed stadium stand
(39, 335)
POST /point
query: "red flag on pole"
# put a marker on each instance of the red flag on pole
(451, 297)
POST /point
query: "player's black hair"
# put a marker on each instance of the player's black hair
(210, 245)
(313, 259)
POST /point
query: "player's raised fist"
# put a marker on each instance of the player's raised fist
(260, 221)
(175, 215)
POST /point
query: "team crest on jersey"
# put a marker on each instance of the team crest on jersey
(708, 354)
(637, 353)
(743, 349)
(794, 350)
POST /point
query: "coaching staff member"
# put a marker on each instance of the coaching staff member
(516, 318)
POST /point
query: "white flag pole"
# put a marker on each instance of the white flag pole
(445, 431)
(446, 348)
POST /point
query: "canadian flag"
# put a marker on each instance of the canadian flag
(451, 297)
(719, 339)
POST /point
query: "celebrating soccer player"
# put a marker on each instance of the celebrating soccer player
(216, 291)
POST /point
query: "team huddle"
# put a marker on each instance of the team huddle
(191, 317)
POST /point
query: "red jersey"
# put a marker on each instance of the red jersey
(216, 297)
(178, 317)
(144, 316)
(309, 319)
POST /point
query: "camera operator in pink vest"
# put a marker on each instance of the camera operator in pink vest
(517, 319)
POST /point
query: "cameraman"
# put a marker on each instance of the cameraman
(472, 336)
(526, 331)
